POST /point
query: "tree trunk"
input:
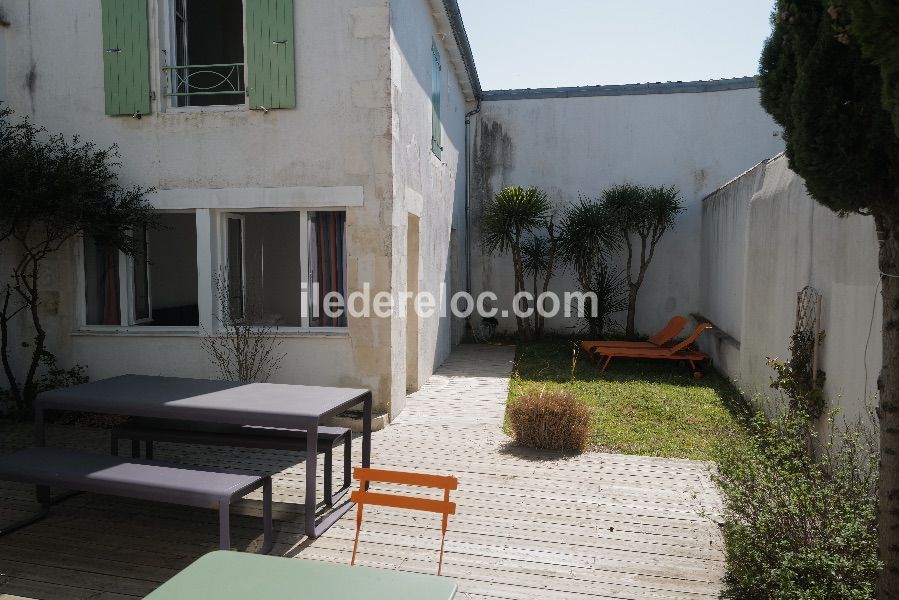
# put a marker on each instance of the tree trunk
(888, 410)
(30, 385)
(538, 325)
(630, 330)
(522, 324)
(13, 390)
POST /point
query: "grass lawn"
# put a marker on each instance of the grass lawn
(639, 407)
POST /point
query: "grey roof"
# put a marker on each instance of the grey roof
(631, 89)
(455, 18)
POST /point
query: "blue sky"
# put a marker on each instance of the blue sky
(548, 43)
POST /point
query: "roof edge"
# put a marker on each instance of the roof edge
(630, 89)
(455, 18)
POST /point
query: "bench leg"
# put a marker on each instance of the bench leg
(347, 461)
(135, 448)
(148, 449)
(267, 528)
(331, 497)
(225, 525)
(329, 475)
(113, 444)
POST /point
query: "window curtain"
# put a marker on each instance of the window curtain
(327, 257)
(101, 283)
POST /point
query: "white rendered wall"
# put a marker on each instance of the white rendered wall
(792, 241)
(329, 150)
(582, 145)
(426, 186)
(336, 150)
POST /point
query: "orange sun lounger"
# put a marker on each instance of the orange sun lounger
(665, 335)
(678, 352)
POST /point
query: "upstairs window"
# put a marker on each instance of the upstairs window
(206, 53)
(436, 85)
(215, 52)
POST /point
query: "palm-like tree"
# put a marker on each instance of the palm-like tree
(588, 237)
(512, 213)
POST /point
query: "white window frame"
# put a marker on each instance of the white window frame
(221, 225)
(211, 231)
(127, 321)
(167, 38)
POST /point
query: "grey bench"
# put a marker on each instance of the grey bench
(135, 478)
(240, 436)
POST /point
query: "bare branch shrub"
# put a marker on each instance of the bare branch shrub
(241, 349)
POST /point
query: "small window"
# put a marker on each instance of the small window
(164, 274)
(436, 85)
(206, 53)
(101, 283)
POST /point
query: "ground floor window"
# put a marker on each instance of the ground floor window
(275, 260)
(283, 268)
(158, 284)
(164, 274)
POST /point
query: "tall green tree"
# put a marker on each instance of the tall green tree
(588, 241)
(513, 213)
(52, 190)
(641, 215)
(826, 78)
(539, 254)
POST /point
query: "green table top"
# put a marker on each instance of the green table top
(225, 575)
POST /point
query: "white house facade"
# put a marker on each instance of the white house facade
(289, 154)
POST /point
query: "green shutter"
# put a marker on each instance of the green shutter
(436, 133)
(271, 79)
(126, 57)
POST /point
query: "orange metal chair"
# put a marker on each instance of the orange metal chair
(362, 497)
(664, 335)
(680, 351)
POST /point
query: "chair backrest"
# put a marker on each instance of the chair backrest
(363, 496)
(692, 338)
(670, 331)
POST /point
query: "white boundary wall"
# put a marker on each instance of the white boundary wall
(763, 239)
(694, 135)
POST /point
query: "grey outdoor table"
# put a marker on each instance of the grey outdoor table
(259, 404)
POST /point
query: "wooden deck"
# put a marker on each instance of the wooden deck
(529, 525)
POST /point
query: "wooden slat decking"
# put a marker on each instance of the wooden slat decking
(529, 524)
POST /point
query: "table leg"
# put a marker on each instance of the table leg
(311, 464)
(314, 530)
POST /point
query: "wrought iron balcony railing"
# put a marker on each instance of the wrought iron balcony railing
(205, 80)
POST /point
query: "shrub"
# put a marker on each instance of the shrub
(550, 421)
(797, 526)
(58, 377)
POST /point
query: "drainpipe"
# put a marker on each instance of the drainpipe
(468, 116)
